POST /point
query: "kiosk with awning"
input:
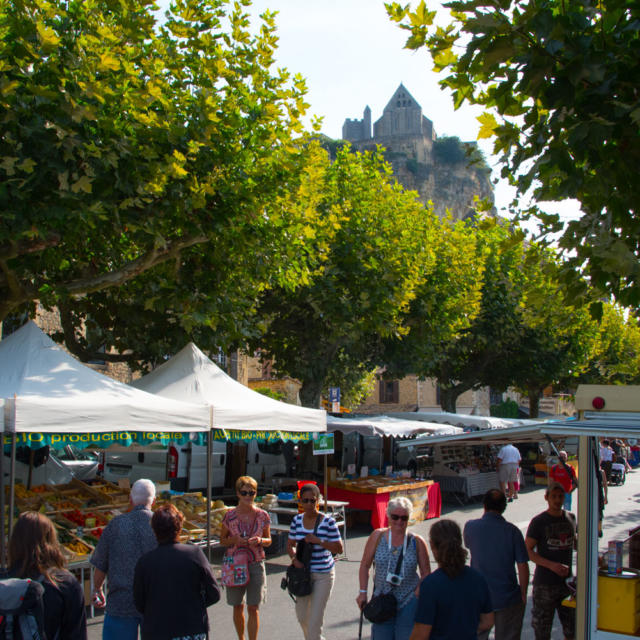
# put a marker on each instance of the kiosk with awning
(373, 493)
(604, 411)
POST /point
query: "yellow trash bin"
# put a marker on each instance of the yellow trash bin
(619, 601)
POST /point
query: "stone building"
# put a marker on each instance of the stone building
(412, 394)
(409, 138)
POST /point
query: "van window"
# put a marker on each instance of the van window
(273, 448)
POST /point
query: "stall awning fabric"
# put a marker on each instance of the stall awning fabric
(192, 377)
(44, 389)
(466, 422)
(387, 426)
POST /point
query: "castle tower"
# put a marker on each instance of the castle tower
(403, 117)
(358, 130)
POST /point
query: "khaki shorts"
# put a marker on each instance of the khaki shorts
(256, 589)
(508, 472)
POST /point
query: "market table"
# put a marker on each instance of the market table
(469, 486)
(335, 508)
(370, 496)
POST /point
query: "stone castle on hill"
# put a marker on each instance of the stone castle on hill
(419, 162)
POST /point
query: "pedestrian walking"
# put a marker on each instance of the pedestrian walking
(34, 553)
(173, 585)
(550, 541)
(508, 465)
(454, 601)
(497, 550)
(247, 526)
(326, 543)
(383, 548)
(606, 458)
(124, 540)
(566, 476)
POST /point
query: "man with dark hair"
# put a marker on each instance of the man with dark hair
(497, 548)
(550, 540)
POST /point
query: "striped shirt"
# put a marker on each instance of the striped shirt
(321, 558)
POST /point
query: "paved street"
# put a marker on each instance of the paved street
(341, 620)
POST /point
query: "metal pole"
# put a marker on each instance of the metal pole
(209, 463)
(587, 555)
(3, 559)
(326, 483)
(12, 482)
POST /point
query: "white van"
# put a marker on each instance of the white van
(185, 466)
(261, 460)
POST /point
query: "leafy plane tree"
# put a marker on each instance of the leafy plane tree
(559, 79)
(133, 150)
(329, 330)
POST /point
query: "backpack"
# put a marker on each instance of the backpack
(21, 609)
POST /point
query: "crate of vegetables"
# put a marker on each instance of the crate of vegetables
(73, 548)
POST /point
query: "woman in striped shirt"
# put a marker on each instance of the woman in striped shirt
(326, 542)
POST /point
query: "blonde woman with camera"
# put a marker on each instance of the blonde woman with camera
(383, 548)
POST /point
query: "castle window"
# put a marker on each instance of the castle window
(389, 391)
(398, 103)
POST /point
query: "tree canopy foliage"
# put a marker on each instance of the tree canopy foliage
(328, 331)
(559, 80)
(500, 320)
(145, 164)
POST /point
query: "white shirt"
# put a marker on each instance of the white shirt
(509, 454)
(606, 454)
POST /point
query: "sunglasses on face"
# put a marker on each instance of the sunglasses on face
(247, 493)
(396, 516)
(307, 500)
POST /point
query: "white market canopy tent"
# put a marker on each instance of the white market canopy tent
(462, 420)
(388, 426)
(192, 377)
(46, 390)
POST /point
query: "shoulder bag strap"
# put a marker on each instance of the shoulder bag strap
(570, 472)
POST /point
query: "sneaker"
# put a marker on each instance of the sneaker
(515, 497)
(509, 499)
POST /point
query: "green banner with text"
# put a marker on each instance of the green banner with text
(35, 440)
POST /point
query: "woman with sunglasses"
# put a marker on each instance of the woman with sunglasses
(384, 548)
(326, 542)
(247, 526)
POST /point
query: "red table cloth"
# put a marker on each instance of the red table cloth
(377, 502)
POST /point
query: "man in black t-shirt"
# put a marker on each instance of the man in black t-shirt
(550, 541)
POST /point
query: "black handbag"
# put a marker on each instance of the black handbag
(381, 608)
(298, 580)
(384, 606)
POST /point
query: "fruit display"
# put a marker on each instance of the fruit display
(194, 508)
(89, 519)
(217, 515)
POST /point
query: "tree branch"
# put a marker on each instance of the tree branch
(77, 349)
(13, 249)
(155, 256)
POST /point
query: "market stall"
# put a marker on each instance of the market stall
(373, 494)
(238, 413)
(47, 395)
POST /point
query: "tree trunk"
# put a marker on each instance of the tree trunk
(449, 398)
(534, 403)
(311, 393)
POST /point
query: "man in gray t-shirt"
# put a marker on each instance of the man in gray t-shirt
(124, 540)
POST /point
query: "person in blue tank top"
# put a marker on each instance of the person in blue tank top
(454, 601)
(383, 549)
